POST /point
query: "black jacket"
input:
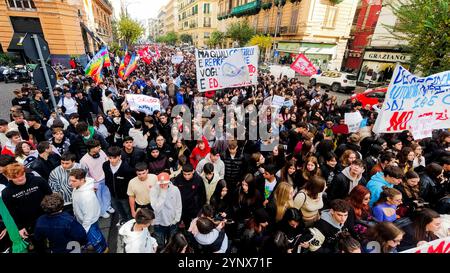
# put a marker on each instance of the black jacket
(24, 201)
(331, 232)
(79, 148)
(84, 107)
(234, 168)
(431, 191)
(158, 165)
(136, 156)
(118, 182)
(260, 185)
(193, 194)
(165, 130)
(340, 186)
(45, 167)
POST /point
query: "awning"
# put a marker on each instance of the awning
(249, 7)
(16, 41)
(92, 34)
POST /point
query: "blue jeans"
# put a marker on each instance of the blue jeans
(164, 233)
(96, 239)
(103, 196)
(123, 207)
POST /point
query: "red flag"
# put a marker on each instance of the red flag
(303, 66)
(145, 56)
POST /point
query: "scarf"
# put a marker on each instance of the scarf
(411, 192)
(18, 245)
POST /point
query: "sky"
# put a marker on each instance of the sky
(144, 9)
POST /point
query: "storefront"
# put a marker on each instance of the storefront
(320, 54)
(379, 64)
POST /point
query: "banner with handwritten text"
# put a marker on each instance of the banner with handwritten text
(143, 103)
(217, 68)
(410, 99)
(437, 246)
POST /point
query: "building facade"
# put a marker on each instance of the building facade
(197, 18)
(171, 20)
(366, 18)
(71, 28)
(161, 26)
(318, 28)
(384, 51)
(152, 25)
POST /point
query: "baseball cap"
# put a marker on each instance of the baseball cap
(163, 178)
(127, 111)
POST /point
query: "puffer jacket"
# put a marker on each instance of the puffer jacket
(234, 168)
(431, 191)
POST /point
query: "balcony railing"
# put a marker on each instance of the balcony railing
(266, 30)
(288, 30)
(21, 4)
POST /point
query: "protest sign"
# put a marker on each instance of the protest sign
(410, 98)
(288, 103)
(280, 71)
(303, 66)
(222, 68)
(278, 101)
(437, 246)
(177, 59)
(353, 121)
(143, 103)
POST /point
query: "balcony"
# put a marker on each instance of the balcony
(288, 30)
(247, 9)
(266, 31)
(27, 5)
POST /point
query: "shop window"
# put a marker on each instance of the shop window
(330, 17)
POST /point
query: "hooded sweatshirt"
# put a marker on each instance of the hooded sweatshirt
(330, 229)
(166, 204)
(219, 166)
(210, 238)
(343, 184)
(210, 186)
(375, 186)
(86, 207)
(137, 241)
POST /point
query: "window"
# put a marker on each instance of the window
(207, 22)
(195, 9)
(330, 17)
(21, 4)
(206, 8)
(206, 35)
(266, 23)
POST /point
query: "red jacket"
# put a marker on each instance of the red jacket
(198, 154)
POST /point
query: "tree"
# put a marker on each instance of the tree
(263, 42)
(425, 25)
(129, 30)
(216, 38)
(240, 32)
(171, 38)
(186, 38)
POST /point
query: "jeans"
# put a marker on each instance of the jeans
(123, 207)
(103, 196)
(96, 239)
(163, 234)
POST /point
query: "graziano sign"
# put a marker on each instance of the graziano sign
(387, 57)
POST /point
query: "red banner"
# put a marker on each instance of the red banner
(303, 66)
(145, 56)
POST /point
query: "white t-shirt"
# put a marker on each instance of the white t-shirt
(268, 188)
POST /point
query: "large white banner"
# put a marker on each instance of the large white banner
(222, 68)
(412, 101)
(436, 246)
(143, 103)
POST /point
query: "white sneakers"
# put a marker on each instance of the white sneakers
(111, 210)
(105, 215)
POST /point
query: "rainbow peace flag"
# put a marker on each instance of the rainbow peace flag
(100, 60)
(98, 77)
(131, 66)
(123, 64)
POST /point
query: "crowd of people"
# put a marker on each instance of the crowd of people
(320, 189)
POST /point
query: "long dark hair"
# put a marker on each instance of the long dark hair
(420, 221)
(176, 244)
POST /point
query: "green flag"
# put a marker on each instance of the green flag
(18, 244)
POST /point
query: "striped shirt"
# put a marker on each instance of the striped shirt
(59, 182)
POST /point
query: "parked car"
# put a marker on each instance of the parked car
(336, 80)
(371, 96)
(2, 76)
(18, 73)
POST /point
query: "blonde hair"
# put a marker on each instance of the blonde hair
(282, 199)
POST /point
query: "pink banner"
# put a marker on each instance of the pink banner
(303, 66)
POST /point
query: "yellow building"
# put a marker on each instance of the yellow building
(197, 18)
(318, 28)
(71, 28)
(171, 19)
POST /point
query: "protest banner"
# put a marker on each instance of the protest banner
(143, 103)
(353, 121)
(177, 59)
(437, 246)
(223, 68)
(278, 101)
(303, 66)
(410, 98)
(279, 71)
